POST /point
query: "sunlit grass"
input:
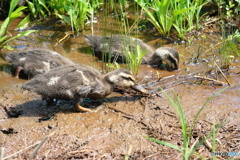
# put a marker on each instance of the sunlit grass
(77, 11)
(72, 12)
(188, 149)
(166, 15)
(134, 60)
(38, 8)
(12, 14)
(133, 52)
(113, 66)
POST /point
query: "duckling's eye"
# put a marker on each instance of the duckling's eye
(127, 78)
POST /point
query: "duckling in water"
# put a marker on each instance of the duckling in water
(117, 45)
(75, 82)
(35, 61)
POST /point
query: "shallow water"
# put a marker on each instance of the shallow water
(106, 130)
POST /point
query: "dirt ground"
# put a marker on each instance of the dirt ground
(120, 123)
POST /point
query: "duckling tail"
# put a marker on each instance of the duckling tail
(88, 39)
(30, 85)
(6, 57)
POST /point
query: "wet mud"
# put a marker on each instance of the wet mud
(119, 124)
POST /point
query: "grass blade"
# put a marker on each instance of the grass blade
(164, 143)
(200, 110)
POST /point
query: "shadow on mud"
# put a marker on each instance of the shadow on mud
(38, 108)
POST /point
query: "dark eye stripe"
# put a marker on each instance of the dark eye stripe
(128, 78)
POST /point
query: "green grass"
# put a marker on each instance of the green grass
(113, 66)
(13, 13)
(77, 11)
(188, 149)
(166, 15)
(229, 9)
(74, 13)
(134, 60)
(38, 8)
(229, 49)
(169, 17)
(133, 55)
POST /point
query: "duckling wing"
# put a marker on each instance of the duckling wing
(66, 82)
(36, 61)
(102, 45)
(15, 58)
(115, 47)
(45, 56)
(31, 63)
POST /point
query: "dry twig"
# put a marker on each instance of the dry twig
(34, 153)
(223, 74)
(28, 147)
(210, 79)
(62, 39)
(208, 144)
(22, 150)
(1, 153)
(127, 155)
(211, 21)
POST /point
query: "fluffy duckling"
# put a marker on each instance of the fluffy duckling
(75, 82)
(116, 46)
(35, 61)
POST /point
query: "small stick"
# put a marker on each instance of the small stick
(34, 153)
(136, 21)
(170, 114)
(211, 21)
(63, 38)
(1, 153)
(210, 79)
(33, 145)
(127, 155)
(118, 110)
(223, 74)
(194, 143)
(21, 150)
(208, 144)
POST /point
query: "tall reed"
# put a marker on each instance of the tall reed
(132, 50)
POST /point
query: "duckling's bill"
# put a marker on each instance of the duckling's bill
(139, 88)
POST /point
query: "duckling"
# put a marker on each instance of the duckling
(116, 46)
(35, 61)
(75, 82)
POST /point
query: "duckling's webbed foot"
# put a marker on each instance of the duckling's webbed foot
(18, 70)
(81, 109)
